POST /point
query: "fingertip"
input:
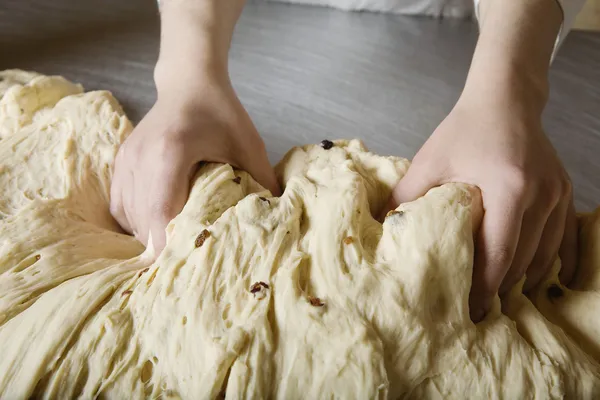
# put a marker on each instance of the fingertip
(117, 210)
(495, 247)
(568, 267)
(479, 306)
(569, 248)
(274, 188)
(477, 314)
(407, 190)
(157, 240)
(158, 227)
(389, 206)
(476, 208)
(411, 186)
(266, 177)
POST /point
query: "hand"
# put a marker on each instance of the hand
(526, 193)
(154, 165)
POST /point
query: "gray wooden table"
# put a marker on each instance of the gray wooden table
(308, 73)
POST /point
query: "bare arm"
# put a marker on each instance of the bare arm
(513, 52)
(195, 40)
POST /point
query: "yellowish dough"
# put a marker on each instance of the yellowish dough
(305, 296)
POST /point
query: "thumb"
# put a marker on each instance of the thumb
(261, 170)
(169, 198)
(266, 177)
(412, 186)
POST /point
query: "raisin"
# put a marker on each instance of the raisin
(554, 292)
(205, 234)
(151, 279)
(259, 290)
(265, 199)
(316, 302)
(143, 272)
(257, 287)
(237, 179)
(394, 212)
(127, 293)
(326, 144)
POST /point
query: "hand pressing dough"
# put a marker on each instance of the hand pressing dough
(305, 296)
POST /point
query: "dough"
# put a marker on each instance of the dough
(303, 296)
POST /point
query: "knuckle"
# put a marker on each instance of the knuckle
(550, 191)
(161, 210)
(171, 146)
(115, 208)
(566, 187)
(515, 181)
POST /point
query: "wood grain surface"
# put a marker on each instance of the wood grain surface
(307, 73)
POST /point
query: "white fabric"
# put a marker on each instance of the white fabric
(438, 8)
(570, 9)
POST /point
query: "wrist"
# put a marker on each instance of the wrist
(194, 43)
(507, 85)
(190, 98)
(512, 57)
(185, 77)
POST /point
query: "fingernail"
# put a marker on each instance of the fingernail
(390, 205)
(478, 312)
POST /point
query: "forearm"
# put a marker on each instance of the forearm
(514, 49)
(195, 39)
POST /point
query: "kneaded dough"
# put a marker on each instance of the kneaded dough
(304, 296)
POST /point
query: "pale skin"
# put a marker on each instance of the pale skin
(492, 139)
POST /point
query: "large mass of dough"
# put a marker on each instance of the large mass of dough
(302, 296)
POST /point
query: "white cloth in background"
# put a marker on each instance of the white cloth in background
(437, 8)
(570, 9)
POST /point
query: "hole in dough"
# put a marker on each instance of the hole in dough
(147, 370)
(225, 316)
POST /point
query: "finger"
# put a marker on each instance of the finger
(139, 192)
(532, 228)
(569, 246)
(547, 249)
(495, 249)
(413, 185)
(116, 201)
(169, 194)
(265, 175)
(261, 170)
